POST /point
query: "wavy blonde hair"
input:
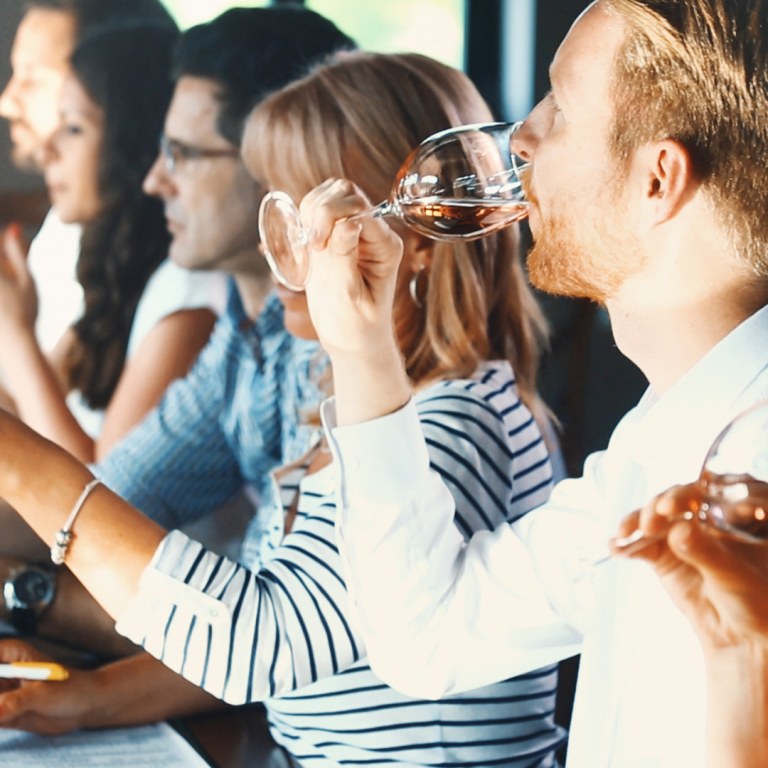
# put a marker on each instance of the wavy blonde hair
(358, 117)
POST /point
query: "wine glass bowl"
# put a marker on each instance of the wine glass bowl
(459, 184)
(284, 240)
(462, 184)
(737, 504)
(733, 484)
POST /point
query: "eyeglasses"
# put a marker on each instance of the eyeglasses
(175, 153)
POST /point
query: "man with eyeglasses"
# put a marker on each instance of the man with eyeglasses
(222, 428)
(176, 152)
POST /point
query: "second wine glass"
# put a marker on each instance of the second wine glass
(733, 484)
(458, 184)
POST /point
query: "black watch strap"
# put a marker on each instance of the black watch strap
(24, 620)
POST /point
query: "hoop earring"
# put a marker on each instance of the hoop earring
(413, 287)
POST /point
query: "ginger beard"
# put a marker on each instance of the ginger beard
(587, 253)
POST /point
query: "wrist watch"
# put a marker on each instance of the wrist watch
(28, 591)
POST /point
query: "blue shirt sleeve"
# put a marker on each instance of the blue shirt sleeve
(178, 465)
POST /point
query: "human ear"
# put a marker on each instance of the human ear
(669, 181)
(417, 251)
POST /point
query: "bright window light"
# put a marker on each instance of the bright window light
(190, 12)
(432, 27)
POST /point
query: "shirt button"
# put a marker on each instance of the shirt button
(214, 612)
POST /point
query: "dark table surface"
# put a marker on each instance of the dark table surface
(231, 738)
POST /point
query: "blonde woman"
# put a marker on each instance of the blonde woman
(277, 627)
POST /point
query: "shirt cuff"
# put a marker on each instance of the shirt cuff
(384, 459)
(175, 617)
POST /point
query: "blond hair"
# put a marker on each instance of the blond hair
(358, 117)
(697, 71)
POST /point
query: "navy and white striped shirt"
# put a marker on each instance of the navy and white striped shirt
(277, 630)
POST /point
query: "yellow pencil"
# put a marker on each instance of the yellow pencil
(33, 670)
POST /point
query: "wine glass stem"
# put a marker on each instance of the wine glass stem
(638, 540)
(382, 209)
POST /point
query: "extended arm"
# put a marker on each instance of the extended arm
(181, 462)
(242, 636)
(36, 385)
(42, 482)
(176, 466)
(427, 605)
(127, 692)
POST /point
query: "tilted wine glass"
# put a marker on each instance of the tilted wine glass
(459, 184)
(733, 483)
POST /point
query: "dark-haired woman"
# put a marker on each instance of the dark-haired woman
(144, 319)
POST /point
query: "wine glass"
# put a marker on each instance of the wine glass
(459, 184)
(733, 483)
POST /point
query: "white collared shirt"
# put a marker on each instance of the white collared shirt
(170, 289)
(439, 616)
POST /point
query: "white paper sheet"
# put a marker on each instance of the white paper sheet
(147, 746)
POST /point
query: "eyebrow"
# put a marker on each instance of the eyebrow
(178, 142)
(553, 84)
(552, 74)
(83, 114)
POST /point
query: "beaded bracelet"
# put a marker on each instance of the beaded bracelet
(65, 535)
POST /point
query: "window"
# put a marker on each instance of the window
(432, 27)
(190, 12)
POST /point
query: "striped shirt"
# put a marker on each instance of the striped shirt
(276, 628)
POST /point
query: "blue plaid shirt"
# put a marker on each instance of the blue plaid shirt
(234, 417)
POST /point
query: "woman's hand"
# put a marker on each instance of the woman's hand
(354, 270)
(351, 293)
(41, 707)
(132, 691)
(18, 295)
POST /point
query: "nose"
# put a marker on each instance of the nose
(9, 106)
(522, 144)
(158, 181)
(526, 137)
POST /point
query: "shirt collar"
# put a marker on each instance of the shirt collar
(692, 412)
(264, 335)
(234, 310)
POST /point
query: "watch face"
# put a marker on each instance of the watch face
(33, 587)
